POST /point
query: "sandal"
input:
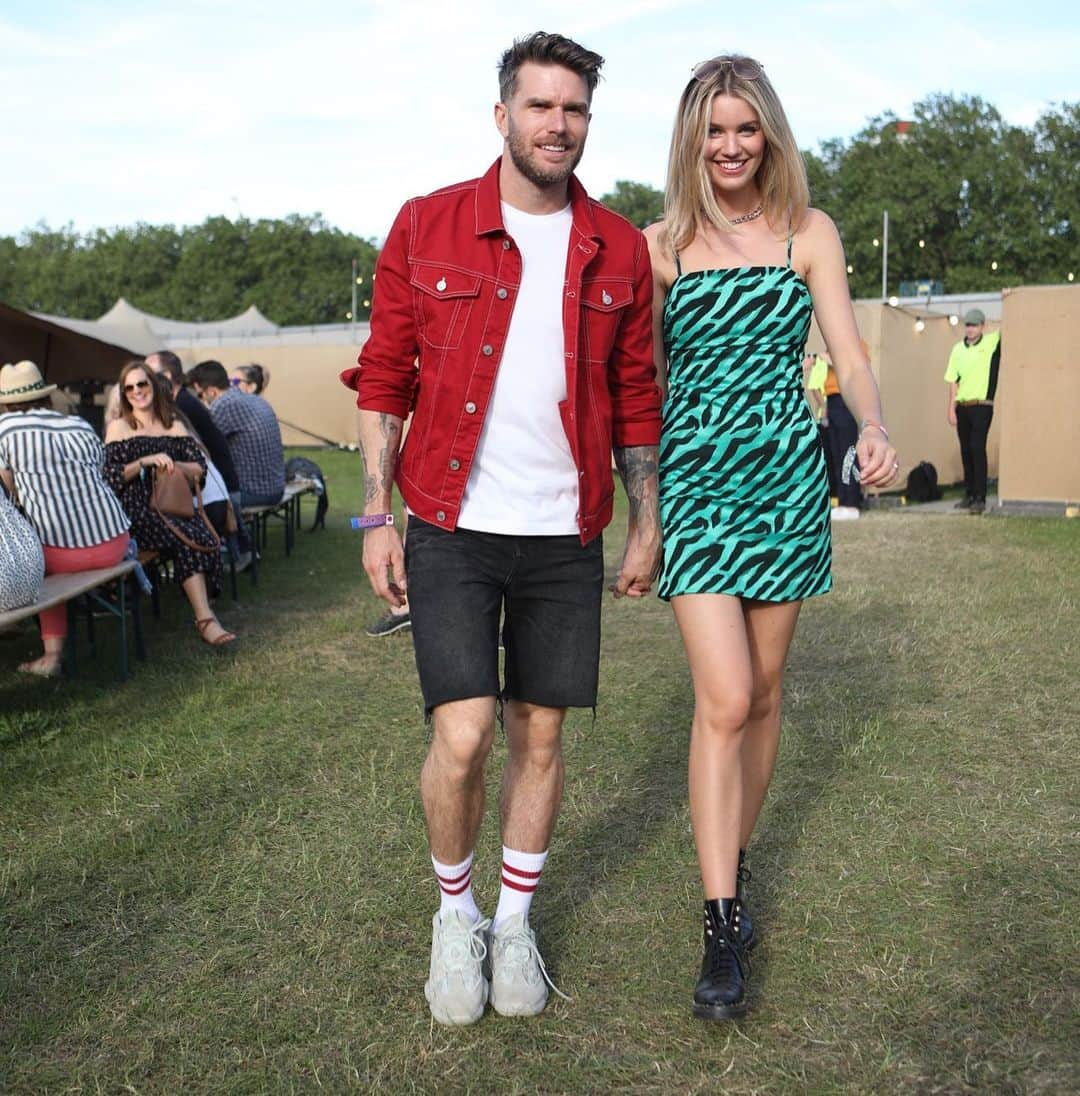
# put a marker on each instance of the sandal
(221, 640)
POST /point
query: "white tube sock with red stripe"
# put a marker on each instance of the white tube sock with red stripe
(455, 887)
(520, 874)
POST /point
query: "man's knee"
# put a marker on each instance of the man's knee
(462, 733)
(533, 732)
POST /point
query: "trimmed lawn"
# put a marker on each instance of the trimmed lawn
(214, 878)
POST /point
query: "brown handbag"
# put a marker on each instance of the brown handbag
(171, 497)
(171, 493)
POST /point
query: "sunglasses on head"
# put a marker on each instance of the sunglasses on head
(235, 382)
(746, 68)
(137, 384)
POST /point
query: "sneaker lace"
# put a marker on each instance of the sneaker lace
(461, 950)
(522, 947)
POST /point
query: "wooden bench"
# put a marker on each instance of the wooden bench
(286, 510)
(69, 589)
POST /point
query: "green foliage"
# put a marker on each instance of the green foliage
(973, 188)
(297, 270)
(639, 203)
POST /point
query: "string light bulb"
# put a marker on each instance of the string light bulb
(877, 242)
(954, 320)
(894, 302)
(1070, 275)
(922, 243)
(993, 265)
(920, 325)
(850, 268)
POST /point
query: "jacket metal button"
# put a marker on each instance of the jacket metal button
(440, 285)
(470, 408)
(605, 297)
(571, 294)
(506, 245)
(486, 350)
(440, 515)
(455, 464)
(501, 293)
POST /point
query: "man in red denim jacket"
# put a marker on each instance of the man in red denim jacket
(512, 317)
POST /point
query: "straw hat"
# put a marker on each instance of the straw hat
(22, 383)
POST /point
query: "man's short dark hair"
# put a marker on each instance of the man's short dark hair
(170, 364)
(547, 49)
(209, 374)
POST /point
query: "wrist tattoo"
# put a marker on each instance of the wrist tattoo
(637, 469)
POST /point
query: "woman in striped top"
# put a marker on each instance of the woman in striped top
(52, 464)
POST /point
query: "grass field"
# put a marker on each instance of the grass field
(214, 878)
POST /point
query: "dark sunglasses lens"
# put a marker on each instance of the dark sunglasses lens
(137, 384)
(744, 67)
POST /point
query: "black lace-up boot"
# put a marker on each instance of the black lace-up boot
(742, 915)
(720, 993)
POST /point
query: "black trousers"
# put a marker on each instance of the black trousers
(972, 428)
(843, 433)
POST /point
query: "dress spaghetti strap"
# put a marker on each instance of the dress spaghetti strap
(678, 264)
(791, 237)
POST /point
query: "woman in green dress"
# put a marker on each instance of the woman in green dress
(739, 264)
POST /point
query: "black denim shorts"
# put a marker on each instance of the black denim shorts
(545, 590)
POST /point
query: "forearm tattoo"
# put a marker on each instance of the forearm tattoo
(379, 471)
(637, 468)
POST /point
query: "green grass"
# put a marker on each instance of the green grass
(215, 879)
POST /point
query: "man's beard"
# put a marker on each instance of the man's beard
(521, 153)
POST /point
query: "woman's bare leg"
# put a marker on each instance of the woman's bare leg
(713, 631)
(194, 586)
(769, 629)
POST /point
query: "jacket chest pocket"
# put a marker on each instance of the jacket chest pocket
(445, 300)
(604, 303)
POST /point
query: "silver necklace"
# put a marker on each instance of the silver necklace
(751, 216)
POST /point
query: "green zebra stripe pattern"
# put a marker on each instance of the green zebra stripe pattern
(744, 494)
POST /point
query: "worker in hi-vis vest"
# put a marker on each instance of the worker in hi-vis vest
(972, 377)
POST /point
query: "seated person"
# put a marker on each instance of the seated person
(52, 464)
(251, 428)
(145, 437)
(252, 379)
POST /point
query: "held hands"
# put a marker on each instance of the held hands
(640, 565)
(384, 562)
(878, 466)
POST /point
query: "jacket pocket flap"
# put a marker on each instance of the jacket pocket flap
(606, 296)
(439, 282)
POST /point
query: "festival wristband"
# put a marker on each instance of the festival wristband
(372, 521)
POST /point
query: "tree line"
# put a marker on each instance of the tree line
(297, 270)
(974, 202)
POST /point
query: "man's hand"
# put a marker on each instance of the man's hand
(384, 562)
(950, 414)
(640, 565)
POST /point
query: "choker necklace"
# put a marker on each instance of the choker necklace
(751, 216)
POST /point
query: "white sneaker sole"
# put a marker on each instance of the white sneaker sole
(512, 1002)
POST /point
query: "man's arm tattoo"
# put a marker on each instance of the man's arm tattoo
(379, 475)
(637, 468)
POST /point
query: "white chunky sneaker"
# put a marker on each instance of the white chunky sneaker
(519, 979)
(457, 985)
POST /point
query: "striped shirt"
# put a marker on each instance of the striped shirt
(56, 461)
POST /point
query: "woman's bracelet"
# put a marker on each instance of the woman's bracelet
(875, 424)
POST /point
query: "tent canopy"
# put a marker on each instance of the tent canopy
(64, 355)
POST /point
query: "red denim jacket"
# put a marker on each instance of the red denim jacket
(445, 287)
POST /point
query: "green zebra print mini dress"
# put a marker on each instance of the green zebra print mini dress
(744, 494)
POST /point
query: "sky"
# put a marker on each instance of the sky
(114, 113)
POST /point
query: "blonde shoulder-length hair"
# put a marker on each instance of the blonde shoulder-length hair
(689, 201)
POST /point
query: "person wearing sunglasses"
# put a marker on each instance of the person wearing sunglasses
(739, 264)
(149, 436)
(52, 464)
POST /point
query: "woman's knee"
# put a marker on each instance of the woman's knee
(722, 713)
(765, 702)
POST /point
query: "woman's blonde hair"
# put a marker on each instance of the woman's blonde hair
(689, 202)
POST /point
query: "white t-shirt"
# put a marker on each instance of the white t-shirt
(523, 480)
